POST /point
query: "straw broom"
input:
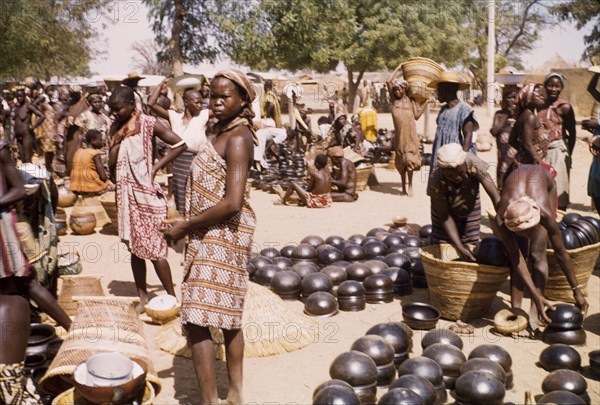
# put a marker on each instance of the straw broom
(269, 326)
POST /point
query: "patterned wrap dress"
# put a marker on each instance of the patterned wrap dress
(216, 258)
(450, 122)
(141, 203)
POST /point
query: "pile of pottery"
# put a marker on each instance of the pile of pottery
(579, 231)
(42, 347)
(382, 147)
(289, 167)
(565, 326)
(343, 274)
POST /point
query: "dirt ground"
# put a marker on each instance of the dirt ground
(290, 378)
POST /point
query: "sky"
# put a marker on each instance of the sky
(128, 23)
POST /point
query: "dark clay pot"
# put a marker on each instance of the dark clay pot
(321, 304)
(564, 380)
(401, 278)
(400, 396)
(393, 240)
(40, 336)
(478, 387)
(491, 252)
(330, 383)
(327, 254)
(570, 239)
(356, 368)
(445, 336)
(413, 253)
(336, 395)
(412, 241)
(570, 218)
(376, 266)
(429, 370)
(561, 397)
(368, 239)
(576, 337)
(425, 231)
(494, 353)
(313, 240)
(356, 238)
(283, 263)
(260, 261)
(286, 284)
(449, 357)
(382, 354)
(560, 356)
(419, 385)
(353, 252)
(395, 333)
(336, 274)
(374, 249)
(419, 315)
(378, 289)
(589, 230)
(304, 251)
(375, 231)
(594, 356)
(401, 248)
(592, 220)
(270, 252)
(486, 365)
(335, 241)
(358, 271)
(305, 268)
(565, 317)
(287, 251)
(351, 296)
(264, 274)
(396, 260)
(316, 282)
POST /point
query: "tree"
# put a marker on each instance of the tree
(146, 58)
(583, 12)
(45, 38)
(184, 31)
(364, 35)
(518, 24)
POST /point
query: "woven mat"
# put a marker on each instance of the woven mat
(99, 326)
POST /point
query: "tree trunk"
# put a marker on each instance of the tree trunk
(176, 55)
(353, 88)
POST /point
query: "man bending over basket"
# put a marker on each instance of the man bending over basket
(526, 210)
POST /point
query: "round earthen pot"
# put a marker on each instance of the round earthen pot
(560, 356)
(335, 241)
(592, 220)
(305, 268)
(445, 336)
(376, 266)
(336, 274)
(412, 241)
(400, 396)
(565, 317)
(270, 252)
(491, 251)
(286, 284)
(351, 296)
(594, 356)
(395, 333)
(571, 218)
(336, 395)
(487, 365)
(61, 227)
(264, 274)
(575, 337)
(260, 261)
(353, 252)
(478, 387)
(374, 249)
(358, 271)
(396, 260)
(495, 353)
(321, 304)
(379, 289)
(450, 358)
(82, 223)
(368, 239)
(564, 380)
(287, 251)
(356, 238)
(304, 251)
(356, 368)
(419, 385)
(316, 282)
(330, 383)
(283, 262)
(420, 315)
(429, 370)
(375, 231)
(60, 215)
(382, 354)
(327, 254)
(314, 240)
(561, 397)
(425, 231)
(393, 240)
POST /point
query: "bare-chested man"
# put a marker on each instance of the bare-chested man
(527, 209)
(318, 194)
(23, 128)
(346, 180)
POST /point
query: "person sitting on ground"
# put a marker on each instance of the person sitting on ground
(87, 173)
(454, 191)
(345, 181)
(341, 133)
(318, 194)
(526, 210)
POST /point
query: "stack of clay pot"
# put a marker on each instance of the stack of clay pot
(498, 355)
(565, 326)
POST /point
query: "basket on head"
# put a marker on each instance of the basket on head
(419, 72)
(462, 291)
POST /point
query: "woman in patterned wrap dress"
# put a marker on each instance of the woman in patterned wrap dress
(220, 224)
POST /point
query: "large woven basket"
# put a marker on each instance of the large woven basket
(462, 291)
(362, 177)
(584, 260)
(89, 285)
(422, 70)
(109, 203)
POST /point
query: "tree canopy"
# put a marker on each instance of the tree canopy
(45, 38)
(584, 12)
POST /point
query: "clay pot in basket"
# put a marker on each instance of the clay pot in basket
(560, 356)
(351, 296)
(286, 284)
(82, 223)
(419, 385)
(358, 370)
(450, 358)
(382, 353)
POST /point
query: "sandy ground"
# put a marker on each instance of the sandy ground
(291, 377)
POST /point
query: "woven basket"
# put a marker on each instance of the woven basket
(422, 70)
(362, 177)
(109, 203)
(584, 260)
(76, 286)
(462, 291)
(99, 326)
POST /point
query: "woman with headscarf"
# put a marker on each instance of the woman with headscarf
(454, 191)
(405, 113)
(141, 203)
(558, 119)
(220, 224)
(504, 120)
(95, 118)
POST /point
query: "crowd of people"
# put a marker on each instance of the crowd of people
(111, 141)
